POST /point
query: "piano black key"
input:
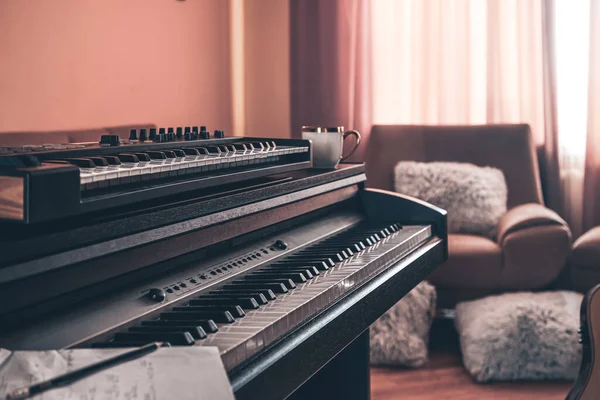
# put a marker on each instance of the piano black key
(288, 283)
(382, 234)
(112, 160)
(214, 150)
(337, 253)
(260, 297)
(308, 272)
(108, 345)
(142, 157)
(307, 269)
(327, 250)
(275, 287)
(99, 161)
(223, 317)
(353, 246)
(169, 154)
(320, 265)
(82, 162)
(207, 324)
(235, 310)
(197, 332)
(257, 146)
(175, 338)
(297, 277)
(308, 260)
(316, 255)
(357, 247)
(157, 155)
(247, 303)
(179, 153)
(128, 158)
(191, 152)
(57, 161)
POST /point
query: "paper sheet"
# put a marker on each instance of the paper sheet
(167, 373)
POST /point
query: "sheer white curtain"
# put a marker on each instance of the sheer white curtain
(499, 61)
(572, 57)
(458, 62)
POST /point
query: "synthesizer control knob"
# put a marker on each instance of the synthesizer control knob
(280, 244)
(161, 131)
(133, 135)
(204, 134)
(152, 133)
(194, 133)
(171, 134)
(188, 134)
(143, 136)
(157, 295)
(179, 133)
(110, 140)
(219, 134)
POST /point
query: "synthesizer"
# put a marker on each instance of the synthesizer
(47, 182)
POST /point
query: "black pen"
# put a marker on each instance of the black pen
(73, 376)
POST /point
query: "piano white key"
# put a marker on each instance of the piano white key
(290, 309)
(228, 158)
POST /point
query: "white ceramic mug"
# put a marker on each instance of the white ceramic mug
(328, 144)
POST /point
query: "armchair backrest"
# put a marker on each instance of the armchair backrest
(508, 147)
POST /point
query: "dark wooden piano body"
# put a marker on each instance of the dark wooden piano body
(60, 284)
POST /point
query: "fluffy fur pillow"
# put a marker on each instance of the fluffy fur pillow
(474, 197)
(517, 336)
(401, 335)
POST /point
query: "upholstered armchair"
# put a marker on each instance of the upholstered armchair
(532, 241)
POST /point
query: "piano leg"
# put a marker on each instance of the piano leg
(346, 376)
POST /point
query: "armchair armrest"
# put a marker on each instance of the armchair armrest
(526, 216)
(535, 242)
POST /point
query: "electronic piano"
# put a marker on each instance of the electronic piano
(284, 272)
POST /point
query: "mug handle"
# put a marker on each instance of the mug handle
(357, 135)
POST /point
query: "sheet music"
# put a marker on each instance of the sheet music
(167, 373)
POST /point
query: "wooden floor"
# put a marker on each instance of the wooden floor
(444, 377)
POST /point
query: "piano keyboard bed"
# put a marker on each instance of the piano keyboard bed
(245, 315)
(127, 168)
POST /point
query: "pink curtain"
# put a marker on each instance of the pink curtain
(363, 62)
(591, 193)
(330, 64)
(549, 156)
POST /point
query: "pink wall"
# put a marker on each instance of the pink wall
(68, 64)
(267, 67)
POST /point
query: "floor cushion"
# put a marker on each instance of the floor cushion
(400, 337)
(520, 336)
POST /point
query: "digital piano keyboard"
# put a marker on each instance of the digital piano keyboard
(283, 273)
